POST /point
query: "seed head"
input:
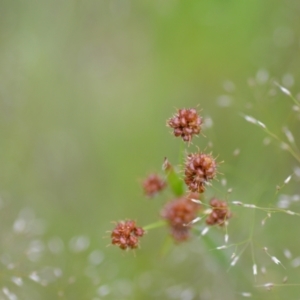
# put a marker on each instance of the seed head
(126, 235)
(153, 184)
(186, 123)
(180, 213)
(220, 212)
(199, 169)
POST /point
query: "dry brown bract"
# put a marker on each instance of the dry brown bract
(126, 235)
(186, 123)
(180, 213)
(199, 169)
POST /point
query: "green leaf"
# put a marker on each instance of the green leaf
(173, 178)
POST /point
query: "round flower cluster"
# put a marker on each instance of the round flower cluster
(126, 235)
(180, 213)
(220, 213)
(153, 184)
(186, 123)
(199, 169)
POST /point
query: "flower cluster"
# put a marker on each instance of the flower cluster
(126, 235)
(186, 123)
(153, 184)
(220, 213)
(179, 214)
(199, 169)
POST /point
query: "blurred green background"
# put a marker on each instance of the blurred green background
(85, 91)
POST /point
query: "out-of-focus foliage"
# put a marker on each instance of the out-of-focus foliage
(86, 88)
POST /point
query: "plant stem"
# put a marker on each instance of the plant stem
(155, 225)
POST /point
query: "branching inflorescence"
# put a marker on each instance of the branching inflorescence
(189, 206)
(181, 213)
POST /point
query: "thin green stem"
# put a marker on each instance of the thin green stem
(155, 225)
(182, 153)
(278, 285)
(295, 100)
(292, 152)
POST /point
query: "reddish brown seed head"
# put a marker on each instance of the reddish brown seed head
(179, 213)
(199, 169)
(220, 213)
(153, 184)
(186, 123)
(126, 235)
